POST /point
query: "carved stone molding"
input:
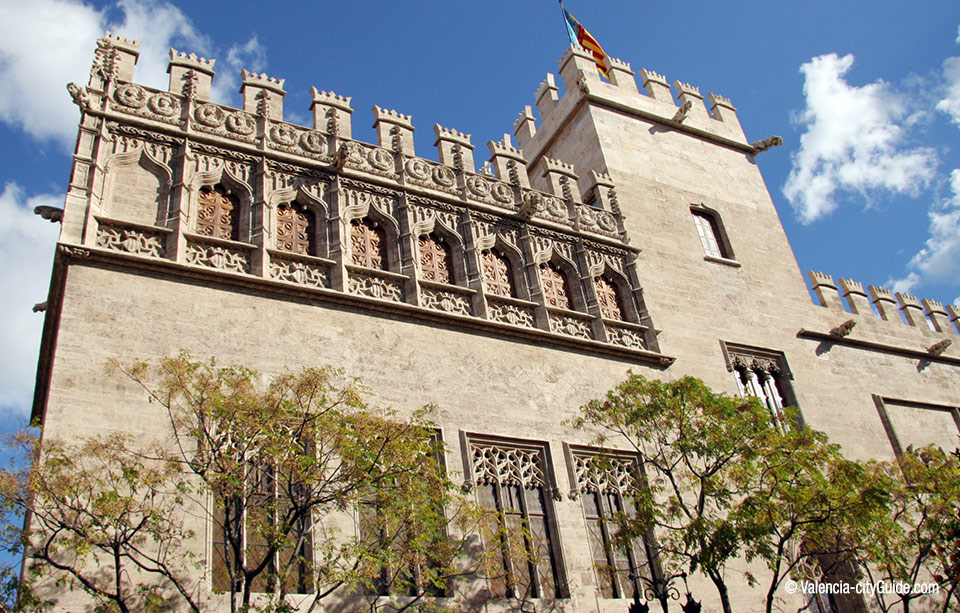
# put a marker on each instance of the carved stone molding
(569, 325)
(444, 300)
(507, 465)
(375, 286)
(508, 313)
(217, 256)
(301, 273)
(625, 336)
(130, 240)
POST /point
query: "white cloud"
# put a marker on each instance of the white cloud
(854, 141)
(950, 104)
(939, 259)
(26, 253)
(44, 44)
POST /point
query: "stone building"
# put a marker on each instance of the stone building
(624, 230)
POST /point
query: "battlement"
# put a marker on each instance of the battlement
(681, 107)
(883, 305)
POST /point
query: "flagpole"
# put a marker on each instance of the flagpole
(566, 25)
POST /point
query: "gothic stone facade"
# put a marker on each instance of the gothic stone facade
(623, 232)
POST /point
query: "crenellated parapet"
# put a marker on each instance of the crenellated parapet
(681, 107)
(262, 95)
(882, 305)
(331, 113)
(240, 192)
(190, 76)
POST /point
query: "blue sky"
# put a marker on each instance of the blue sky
(865, 95)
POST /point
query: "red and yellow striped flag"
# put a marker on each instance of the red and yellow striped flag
(587, 42)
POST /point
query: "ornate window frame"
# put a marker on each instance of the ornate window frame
(762, 373)
(472, 445)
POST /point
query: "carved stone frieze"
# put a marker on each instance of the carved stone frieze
(241, 123)
(570, 326)
(419, 171)
(367, 158)
(545, 207)
(356, 203)
(755, 362)
(217, 256)
(130, 240)
(625, 336)
(545, 243)
(508, 313)
(373, 286)
(490, 191)
(596, 221)
(164, 104)
(301, 273)
(131, 96)
(443, 300)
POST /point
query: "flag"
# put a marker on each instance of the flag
(587, 42)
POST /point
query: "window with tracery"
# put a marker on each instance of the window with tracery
(435, 261)
(369, 244)
(218, 213)
(556, 289)
(609, 298)
(606, 485)
(513, 492)
(238, 530)
(296, 229)
(763, 374)
(498, 274)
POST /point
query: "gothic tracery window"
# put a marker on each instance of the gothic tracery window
(556, 289)
(498, 274)
(296, 228)
(369, 244)
(218, 213)
(512, 490)
(762, 374)
(609, 298)
(606, 485)
(435, 262)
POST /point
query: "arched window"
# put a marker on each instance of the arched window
(609, 298)
(296, 229)
(218, 213)
(556, 290)
(369, 244)
(712, 236)
(435, 262)
(498, 274)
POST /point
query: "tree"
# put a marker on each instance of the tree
(281, 461)
(808, 511)
(98, 516)
(693, 442)
(272, 468)
(917, 543)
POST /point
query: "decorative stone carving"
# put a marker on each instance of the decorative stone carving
(507, 313)
(605, 475)
(131, 95)
(217, 214)
(130, 240)
(313, 141)
(368, 244)
(372, 286)
(556, 289)
(497, 274)
(216, 256)
(295, 228)
(626, 337)
(79, 95)
(755, 363)
(443, 300)
(210, 115)
(435, 261)
(301, 273)
(241, 123)
(506, 466)
(608, 298)
(284, 134)
(164, 104)
(570, 326)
